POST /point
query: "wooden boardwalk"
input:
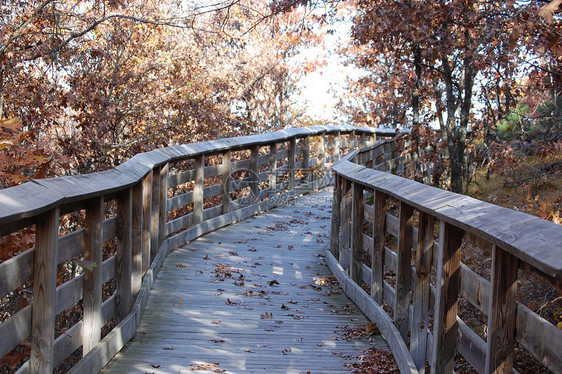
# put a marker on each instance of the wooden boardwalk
(255, 296)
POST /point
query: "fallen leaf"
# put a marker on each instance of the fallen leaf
(273, 282)
(266, 315)
(217, 322)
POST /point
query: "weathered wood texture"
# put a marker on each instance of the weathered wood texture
(461, 218)
(227, 285)
(143, 234)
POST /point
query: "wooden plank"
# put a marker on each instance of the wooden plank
(155, 214)
(226, 180)
(147, 221)
(337, 146)
(124, 259)
(137, 239)
(404, 270)
(93, 257)
(180, 178)
(272, 159)
(291, 161)
(306, 159)
(322, 152)
(254, 171)
(377, 255)
(376, 314)
(163, 197)
(179, 201)
(345, 224)
(447, 294)
(424, 259)
(540, 337)
(336, 213)
(357, 215)
(44, 292)
(502, 315)
(15, 330)
(199, 181)
(517, 232)
(304, 327)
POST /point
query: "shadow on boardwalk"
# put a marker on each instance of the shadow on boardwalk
(255, 296)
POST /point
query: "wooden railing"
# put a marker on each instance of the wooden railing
(114, 228)
(414, 236)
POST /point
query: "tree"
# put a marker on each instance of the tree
(439, 53)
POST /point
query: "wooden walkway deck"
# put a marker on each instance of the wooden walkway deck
(255, 296)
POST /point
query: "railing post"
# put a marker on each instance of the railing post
(352, 143)
(362, 140)
(447, 298)
(254, 172)
(424, 259)
(155, 213)
(93, 257)
(163, 199)
(291, 161)
(272, 168)
(357, 216)
(44, 293)
(337, 147)
(124, 299)
(345, 224)
(377, 257)
(322, 153)
(502, 312)
(336, 212)
(306, 160)
(137, 239)
(404, 271)
(198, 188)
(147, 220)
(226, 179)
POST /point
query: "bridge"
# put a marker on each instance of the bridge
(181, 261)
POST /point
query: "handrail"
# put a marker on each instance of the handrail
(129, 205)
(429, 269)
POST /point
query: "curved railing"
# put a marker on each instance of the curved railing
(114, 229)
(414, 235)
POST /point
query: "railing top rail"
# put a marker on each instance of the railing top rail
(533, 240)
(37, 196)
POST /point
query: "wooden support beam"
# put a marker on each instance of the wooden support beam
(336, 212)
(345, 224)
(198, 188)
(306, 159)
(448, 281)
(322, 153)
(377, 257)
(124, 300)
(254, 173)
(147, 221)
(292, 160)
(226, 179)
(357, 214)
(93, 285)
(44, 292)
(272, 159)
(155, 213)
(337, 146)
(163, 198)
(424, 259)
(137, 239)
(503, 311)
(404, 271)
